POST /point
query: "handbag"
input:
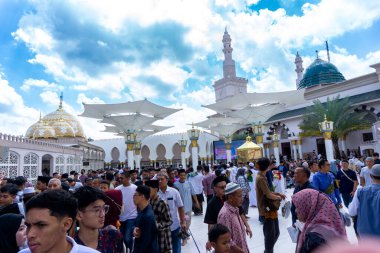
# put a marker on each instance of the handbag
(271, 205)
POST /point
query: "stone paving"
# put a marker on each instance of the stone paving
(256, 243)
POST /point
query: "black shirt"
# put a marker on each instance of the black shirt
(298, 188)
(213, 208)
(346, 186)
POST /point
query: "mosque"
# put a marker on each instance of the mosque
(281, 113)
(56, 143)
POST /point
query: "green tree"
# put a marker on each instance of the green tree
(341, 112)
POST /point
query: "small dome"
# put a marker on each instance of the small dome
(44, 131)
(63, 129)
(320, 72)
(29, 133)
(62, 115)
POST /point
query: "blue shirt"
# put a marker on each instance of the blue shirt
(322, 181)
(186, 191)
(368, 211)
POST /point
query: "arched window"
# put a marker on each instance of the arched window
(30, 170)
(60, 165)
(9, 165)
(69, 163)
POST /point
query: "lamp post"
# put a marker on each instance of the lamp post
(275, 147)
(258, 130)
(194, 136)
(326, 127)
(137, 148)
(183, 144)
(228, 141)
(130, 140)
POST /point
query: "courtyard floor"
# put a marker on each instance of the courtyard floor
(256, 243)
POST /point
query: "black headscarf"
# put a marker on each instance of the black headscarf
(9, 225)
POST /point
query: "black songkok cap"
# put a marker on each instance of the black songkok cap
(43, 179)
(152, 183)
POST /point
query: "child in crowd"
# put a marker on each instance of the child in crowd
(220, 239)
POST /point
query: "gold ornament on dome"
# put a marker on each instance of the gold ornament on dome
(44, 132)
(63, 129)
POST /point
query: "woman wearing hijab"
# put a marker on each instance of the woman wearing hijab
(11, 227)
(321, 218)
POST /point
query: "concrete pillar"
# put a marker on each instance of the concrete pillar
(194, 156)
(138, 159)
(328, 146)
(294, 148)
(259, 141)
(183, 159)
(276, 153)
(299, 142)
(228, 151)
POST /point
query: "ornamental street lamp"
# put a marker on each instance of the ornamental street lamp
(326, 127)
(194, 136)
(228, 141)
(258, 130)
(183, 144)
(130, 140)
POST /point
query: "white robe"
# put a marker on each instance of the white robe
(252, 193)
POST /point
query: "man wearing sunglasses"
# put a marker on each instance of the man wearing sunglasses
(91, 215)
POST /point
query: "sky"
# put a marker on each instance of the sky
(169, 52)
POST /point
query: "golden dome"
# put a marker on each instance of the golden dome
(63, 129)
(44, 131)
(62, 115)
(60, 122)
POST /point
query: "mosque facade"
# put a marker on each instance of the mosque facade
(55, 143)
(320, 81)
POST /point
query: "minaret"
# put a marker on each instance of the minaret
(299, 69)
(229, 70)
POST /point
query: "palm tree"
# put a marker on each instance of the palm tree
(341, 112)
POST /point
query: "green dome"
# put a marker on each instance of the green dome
(321, 72)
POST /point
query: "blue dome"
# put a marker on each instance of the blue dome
(320, 72)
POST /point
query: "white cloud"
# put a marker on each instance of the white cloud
(204, 96)
(15, 116)
(45, 85)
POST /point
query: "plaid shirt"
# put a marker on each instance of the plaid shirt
(164, 221)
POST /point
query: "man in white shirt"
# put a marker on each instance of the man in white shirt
(128, 217)
(195, 179)
(365, 176)
(172, 197)
(49, 216)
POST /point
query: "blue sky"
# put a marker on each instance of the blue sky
(167, 51)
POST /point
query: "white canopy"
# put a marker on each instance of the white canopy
(225, 130)
(213, 121)
(241, 101)
(256, 114)
(148, 128)
(131, 122)
(99, 111)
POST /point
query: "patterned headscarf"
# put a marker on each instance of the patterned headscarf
(318, 211)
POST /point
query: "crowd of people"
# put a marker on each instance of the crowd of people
(122, 210)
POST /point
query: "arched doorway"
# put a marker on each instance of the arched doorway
(161, 152)
(47, 165)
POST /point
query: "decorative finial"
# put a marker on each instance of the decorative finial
(325, 117)
(297, 55)
(60, 100)
(40, 116)
(225, 30)
(316, 52)
(328, 51)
